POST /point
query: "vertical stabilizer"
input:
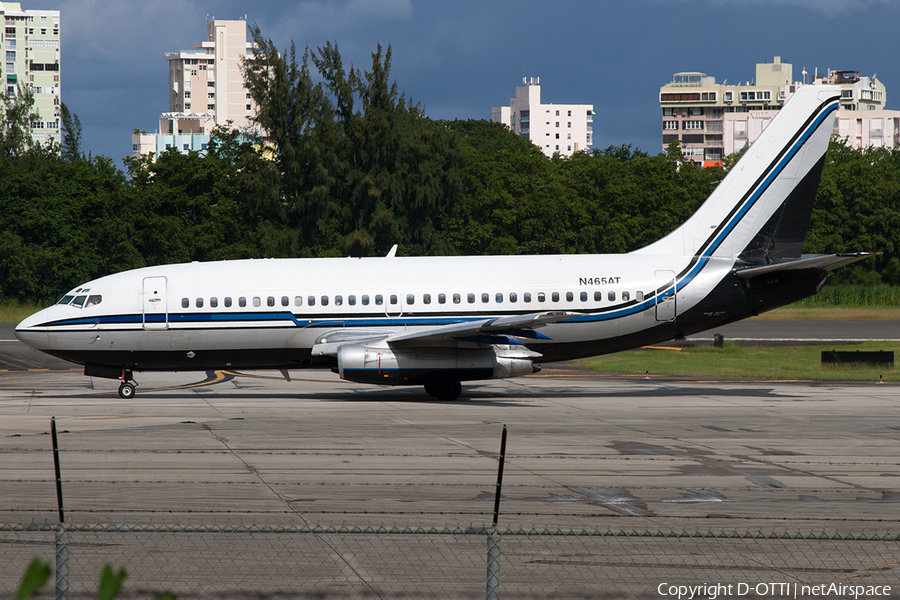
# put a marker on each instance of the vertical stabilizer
(760, 211)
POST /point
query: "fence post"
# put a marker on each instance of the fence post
(493, 565)
(62, 562)
(493, 540)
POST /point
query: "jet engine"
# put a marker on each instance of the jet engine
(418, 366)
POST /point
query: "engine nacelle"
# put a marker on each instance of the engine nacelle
(416, 366)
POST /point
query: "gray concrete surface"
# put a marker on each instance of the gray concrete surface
(585, 450)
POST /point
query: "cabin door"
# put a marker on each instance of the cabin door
(156, 314)
(665, 297)
(393, 303)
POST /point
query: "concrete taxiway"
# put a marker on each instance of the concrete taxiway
(585, 450)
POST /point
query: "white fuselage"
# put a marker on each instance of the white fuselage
(276, 304)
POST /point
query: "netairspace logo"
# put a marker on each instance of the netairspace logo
(711, 591)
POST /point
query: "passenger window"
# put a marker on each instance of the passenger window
(285, 301)
(298, 300)
(227, 301)
(311, 300)
(485, 297)
(198, 302)
(379, 299)
(584, 296)
(442, 298)
(92, 300)
(410, 299)
(242, 302)
(185, 302)
(324, 300)
(213, 302)
(513, 297)
(365, 300)
(257, 302)
(351, 300)
(541, 297)
(555, 296)
(569, 296)
(470, 298)
(626, 296)
(526, 296)
(426, 298)
(270, 301)
(457, 298)
(611, 296)
(498, 298)
(338, 300)
(393, 299)
(65, 299)
(79, 301)
(639, 296)
(598, 296)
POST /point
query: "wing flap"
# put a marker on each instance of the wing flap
(498, 328)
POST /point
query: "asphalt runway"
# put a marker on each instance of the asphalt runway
(585, 450)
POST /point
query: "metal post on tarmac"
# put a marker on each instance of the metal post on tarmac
(62, 537)
(493, 540)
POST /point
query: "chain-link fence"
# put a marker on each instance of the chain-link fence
(350, 562)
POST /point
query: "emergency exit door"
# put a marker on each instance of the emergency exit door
(156, 313)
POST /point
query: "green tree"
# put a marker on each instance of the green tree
(71, 130)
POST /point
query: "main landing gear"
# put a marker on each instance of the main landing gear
(128, 385)
(445, 390)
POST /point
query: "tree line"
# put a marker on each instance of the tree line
(348, 165)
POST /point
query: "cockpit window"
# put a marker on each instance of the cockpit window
(66, 299)
(78, 302)
(92, 300)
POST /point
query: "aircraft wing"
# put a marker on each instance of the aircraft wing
(809, 261)
(496, 330)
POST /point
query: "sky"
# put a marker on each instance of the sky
(460, 58)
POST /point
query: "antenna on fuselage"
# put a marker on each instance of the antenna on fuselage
(392, 252)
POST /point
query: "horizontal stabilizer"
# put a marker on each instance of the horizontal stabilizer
(825, 262)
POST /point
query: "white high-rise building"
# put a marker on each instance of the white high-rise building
(206, 89)
(31, 40)
(712, 120)
(554, 128)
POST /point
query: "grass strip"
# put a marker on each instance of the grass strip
(775, 362)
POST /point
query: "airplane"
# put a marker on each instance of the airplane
(439, 321)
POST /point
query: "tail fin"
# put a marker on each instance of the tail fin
(760, 212)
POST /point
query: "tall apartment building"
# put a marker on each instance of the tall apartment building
(206, 89)
(712, 120)
(562, 128)
(31, 40)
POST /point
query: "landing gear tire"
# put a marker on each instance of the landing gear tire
(126, 390)
(445, 390)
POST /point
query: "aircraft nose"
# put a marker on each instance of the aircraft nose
(29, 331)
